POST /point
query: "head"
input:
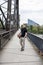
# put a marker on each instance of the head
(24, 26)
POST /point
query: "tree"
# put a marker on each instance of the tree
(31, 28)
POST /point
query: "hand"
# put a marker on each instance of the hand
(25, 35)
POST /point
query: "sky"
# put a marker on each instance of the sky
(31, 9)
(5, 6)
(28, 9)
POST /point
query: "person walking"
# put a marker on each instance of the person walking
(23, 36)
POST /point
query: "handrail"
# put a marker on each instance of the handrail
(35, 35)
(5, 36)
(6, 32)
(36, 40)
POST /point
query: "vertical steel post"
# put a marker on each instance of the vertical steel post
(0, 41)
(16, 13)
(8, 15)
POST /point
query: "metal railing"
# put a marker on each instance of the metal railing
(37, 41)
(5, 37)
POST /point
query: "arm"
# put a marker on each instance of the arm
(26, 33)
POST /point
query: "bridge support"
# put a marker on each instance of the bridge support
(16, 13)
(8, 15)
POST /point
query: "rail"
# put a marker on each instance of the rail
(37, 41)
(5, 37)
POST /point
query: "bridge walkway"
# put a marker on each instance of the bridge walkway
(12, 55)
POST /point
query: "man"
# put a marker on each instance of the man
(22, 38)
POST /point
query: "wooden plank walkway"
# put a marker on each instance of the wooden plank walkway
(11, 54)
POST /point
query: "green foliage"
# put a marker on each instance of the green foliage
(35, 29)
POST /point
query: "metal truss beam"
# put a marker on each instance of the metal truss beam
(3, 2)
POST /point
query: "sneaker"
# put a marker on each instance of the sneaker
(22, 49)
